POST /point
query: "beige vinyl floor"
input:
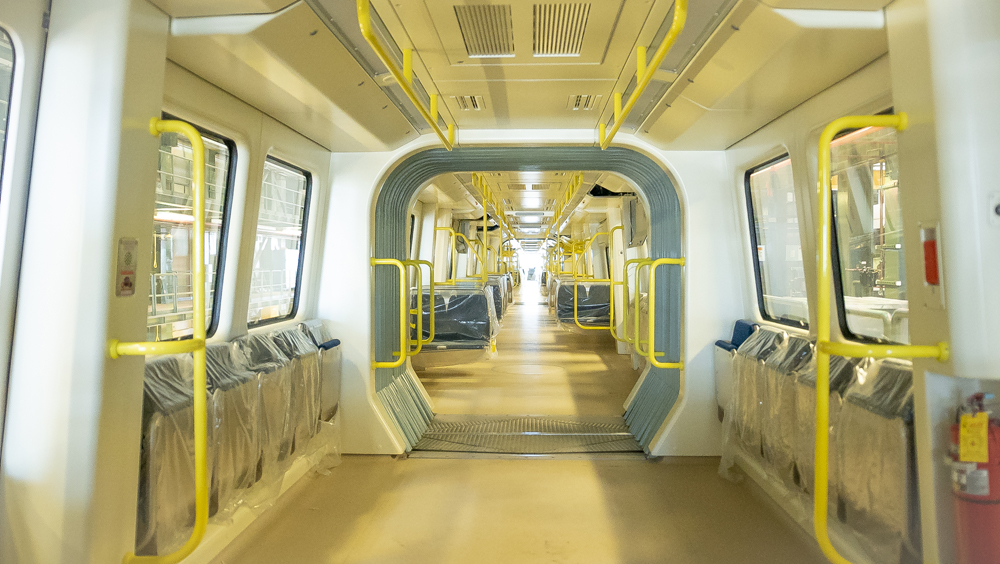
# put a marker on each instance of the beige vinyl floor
(551, 510)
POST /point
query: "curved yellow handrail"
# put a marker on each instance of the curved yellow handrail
(640, 264)
(644, 74)
(430, 270)
(195, 345)
(403, 78)
(652, 314)
(404, 308)
(625, 316)
(419, 311)
(824, 347)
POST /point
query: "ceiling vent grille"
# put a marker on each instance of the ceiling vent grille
(469, 103)
(559, 29)
(584, 102)
(488, 30)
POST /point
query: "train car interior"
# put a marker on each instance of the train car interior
(496, 281)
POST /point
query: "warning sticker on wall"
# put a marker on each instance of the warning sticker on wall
(128, 256)
(967, 478)
(972, 437)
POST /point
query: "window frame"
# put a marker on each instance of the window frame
(227, 208)
(10, 103)
(302, 243)
(755, 257)
(838, 273)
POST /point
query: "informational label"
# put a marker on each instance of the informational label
(967, 478)
(128, 256)
(973, 436)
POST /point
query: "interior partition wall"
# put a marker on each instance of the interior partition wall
(398, 388)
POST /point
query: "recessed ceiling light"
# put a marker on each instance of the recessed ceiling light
(531, 219)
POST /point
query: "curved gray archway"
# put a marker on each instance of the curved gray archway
(399, 391)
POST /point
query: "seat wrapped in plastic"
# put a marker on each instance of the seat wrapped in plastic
(877, 468)
(593, 303)
(843, 372)
(778, 410)
(330, 366)
(498, 285)
(274, 391)
(305, 390)
(543, 283)
(464, 317)
(232, 387)
(750, 392)
(165, 510)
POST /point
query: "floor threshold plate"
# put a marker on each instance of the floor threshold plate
(527, 435)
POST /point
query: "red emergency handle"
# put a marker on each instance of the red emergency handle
(977, 501)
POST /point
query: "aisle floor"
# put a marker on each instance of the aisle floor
(538, 369)
(602, 509)
(377, 510)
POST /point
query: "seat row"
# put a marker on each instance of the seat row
(269, 396)
(578, 300)
(770, 419)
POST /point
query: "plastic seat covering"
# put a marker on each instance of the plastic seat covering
(464, 318)
(778, 409)
(331, 358)
(233, 390)
(877, 467)
(274, 391)
(750, 386)
(166, 502)
(594, 303)
(305, 389)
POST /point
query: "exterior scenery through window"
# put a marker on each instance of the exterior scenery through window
(6, 88)
(277, 253)
(781, 284)
(869, 225)
(170, 313)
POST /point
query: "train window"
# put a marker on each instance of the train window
(278, 256)
(776, 246)
(868, 238)
(6, 88)
(170, 313)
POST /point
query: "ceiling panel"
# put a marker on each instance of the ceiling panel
(284, 68)
(192, 8)
(761, 71)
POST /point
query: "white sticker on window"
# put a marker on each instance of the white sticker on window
(128, 256)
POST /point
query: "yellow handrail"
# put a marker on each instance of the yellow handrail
(652, 314)
(195, 345)
(404, 342)
(430, 270)
(419, 311)
(644, 74)
(611, 243)
(640, 263)
(453, 271)
(404, 79)
(625, 320)
(824, 347)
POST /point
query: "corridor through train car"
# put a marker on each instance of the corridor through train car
(450, 281)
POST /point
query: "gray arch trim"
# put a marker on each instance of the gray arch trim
(399, 392)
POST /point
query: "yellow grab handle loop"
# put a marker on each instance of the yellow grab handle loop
(404, 76)
(404, 343)
(824, 347)
(647, 71)
(652, 314)
(195, 345)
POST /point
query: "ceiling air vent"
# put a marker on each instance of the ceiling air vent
(468, 103)
(583, 102)
(559, 28)
(487, 29)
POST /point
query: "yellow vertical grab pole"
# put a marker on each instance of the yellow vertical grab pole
(430, 270)
(824, 347)
(404, 308)
(195, 345)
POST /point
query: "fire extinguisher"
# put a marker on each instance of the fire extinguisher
(975, 459)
